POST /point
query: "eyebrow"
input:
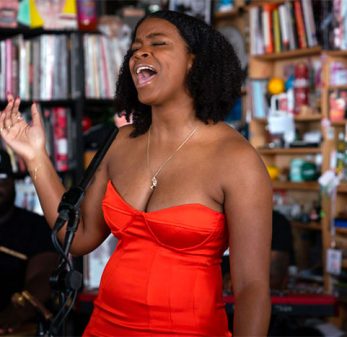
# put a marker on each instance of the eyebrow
(150, 36)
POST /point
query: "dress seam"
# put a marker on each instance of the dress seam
(147, 289)
(194, 306)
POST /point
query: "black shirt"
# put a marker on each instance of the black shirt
(27, 233)
(282, 239)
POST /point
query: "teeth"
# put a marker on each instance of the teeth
(139, 69)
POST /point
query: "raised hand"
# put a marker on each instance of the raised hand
(27, 140)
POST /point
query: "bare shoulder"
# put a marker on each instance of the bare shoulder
(237, 160)
(122, 140)
(124, 134)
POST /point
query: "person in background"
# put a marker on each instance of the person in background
(282, 255)
(27, 257)
(282, 251)
(176, 187)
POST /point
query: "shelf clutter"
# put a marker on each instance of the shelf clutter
(65, 58)
(295, 109)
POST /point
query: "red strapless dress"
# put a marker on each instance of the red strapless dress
(164, 277)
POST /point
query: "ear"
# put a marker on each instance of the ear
(191, 59)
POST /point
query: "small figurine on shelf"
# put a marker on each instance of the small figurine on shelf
(86, 15)
(338, 105)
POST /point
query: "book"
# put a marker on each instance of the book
(300, 25)
(276, 31)
(267, 22)
(256, 35)
(293, 37)
(310, 27)
(285, 27)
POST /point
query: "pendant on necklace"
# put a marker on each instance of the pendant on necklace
(154, 183)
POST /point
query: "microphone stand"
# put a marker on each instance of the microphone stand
(65, 279)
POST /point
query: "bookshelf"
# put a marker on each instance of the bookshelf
(53, 68)
(268, 61)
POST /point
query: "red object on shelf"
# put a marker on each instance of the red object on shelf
(60, 127)
(301, 86)
(86, 123)
(86, 15)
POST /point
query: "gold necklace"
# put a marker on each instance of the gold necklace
(154, 180)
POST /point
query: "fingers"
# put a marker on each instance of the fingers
(15, 114)
(10, 115)
(35, 115)
(5, 122)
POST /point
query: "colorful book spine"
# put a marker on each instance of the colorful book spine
(300, 24)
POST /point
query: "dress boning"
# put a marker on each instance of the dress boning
(164, 277)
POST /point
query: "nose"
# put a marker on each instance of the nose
(141, 53)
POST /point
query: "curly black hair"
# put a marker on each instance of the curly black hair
(214, 80)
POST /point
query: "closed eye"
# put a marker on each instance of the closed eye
(162, 43)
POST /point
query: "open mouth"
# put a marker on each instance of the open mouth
(145, 74)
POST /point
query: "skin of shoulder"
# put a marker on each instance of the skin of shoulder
(122, 145)
(237, 162)
(248, 209)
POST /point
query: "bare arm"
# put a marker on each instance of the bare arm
(248, 207)
(28, 141)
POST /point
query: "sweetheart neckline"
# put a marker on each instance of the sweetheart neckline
(196, 204)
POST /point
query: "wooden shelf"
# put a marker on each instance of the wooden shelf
(337, 87)
(308, 118)
(290, 151)
(257, 3)
(300, 119)
(342, 188)
(289, 54)
(339, 123)
(336, 53)
(289, 185)
(315, 226)
(341, 230)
